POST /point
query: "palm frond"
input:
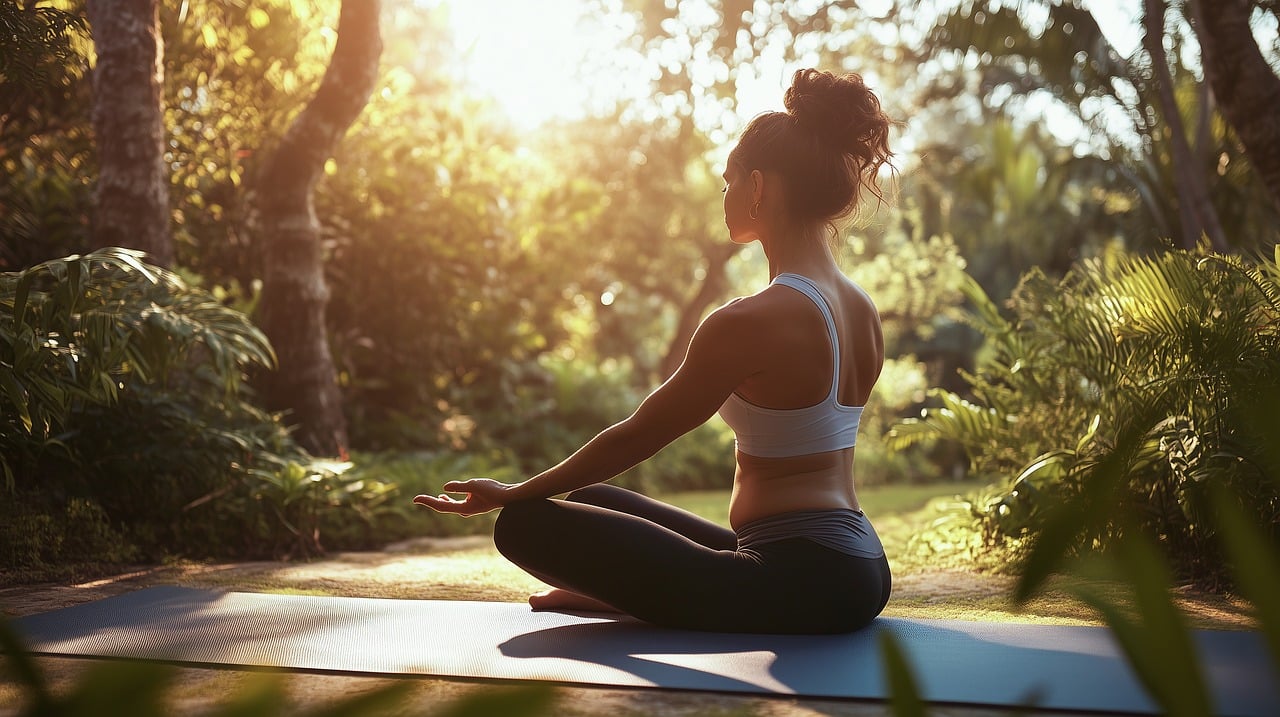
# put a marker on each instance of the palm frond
(957, 419)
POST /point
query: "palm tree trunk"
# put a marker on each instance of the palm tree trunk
(1244, 85)
(294, 294)
(1198, 216)
(131, 198)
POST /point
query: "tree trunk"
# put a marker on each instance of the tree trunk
(712, 288)
(1195, 209)
(1245, 87)
(292, 308)
(131, 198)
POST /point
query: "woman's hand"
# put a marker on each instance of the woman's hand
(482, 496)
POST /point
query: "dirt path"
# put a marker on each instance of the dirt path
(470, 569)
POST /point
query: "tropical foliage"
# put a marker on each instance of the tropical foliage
(75, 329)
(1163, 363)
(127, 422)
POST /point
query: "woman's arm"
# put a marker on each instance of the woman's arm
(716, 363)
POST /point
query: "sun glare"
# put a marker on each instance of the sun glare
(533, 58)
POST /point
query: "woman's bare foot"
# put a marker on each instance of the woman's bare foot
(557, 599)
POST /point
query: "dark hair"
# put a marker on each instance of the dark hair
(828, 145)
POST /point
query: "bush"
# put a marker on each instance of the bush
(122, 395)
(1161, 366)
(40, 543)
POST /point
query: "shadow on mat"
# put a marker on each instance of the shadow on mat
(975, 663)
(984, 665)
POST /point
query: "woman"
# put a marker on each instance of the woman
(788, 368)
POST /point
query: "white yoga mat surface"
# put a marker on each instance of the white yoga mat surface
(978, 663)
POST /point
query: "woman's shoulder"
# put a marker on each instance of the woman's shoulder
(760, 305)
(774, 311)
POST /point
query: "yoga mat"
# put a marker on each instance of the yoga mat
(979, 663)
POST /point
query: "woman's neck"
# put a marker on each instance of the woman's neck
(805, 252)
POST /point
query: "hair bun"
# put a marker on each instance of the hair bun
(840, 110)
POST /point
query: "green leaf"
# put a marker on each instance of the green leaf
(133, 259)
(328, 466)
(18, 395)
(1088, 434)
(25, 670)
(260, 696)
(1043, 462)
(1255, 563)
(908, 432)
(377, 701)
(904, 691)
(109, 389)
(121, 689)
(74, 284)
(1066, 521)
(1158, 644)
(209, 35)
(519, 702)
(20, 294)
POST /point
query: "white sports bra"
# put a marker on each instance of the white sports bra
(778, 433)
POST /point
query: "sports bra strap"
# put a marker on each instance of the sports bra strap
(805, 286)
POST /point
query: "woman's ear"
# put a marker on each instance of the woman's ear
(757, 186)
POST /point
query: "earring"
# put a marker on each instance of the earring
(755, 211)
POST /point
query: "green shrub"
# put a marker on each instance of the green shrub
(1180, 347)
(122, 389)
(41, 543)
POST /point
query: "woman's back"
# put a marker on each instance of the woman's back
(796, 361)
(793, 336)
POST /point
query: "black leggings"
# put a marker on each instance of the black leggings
(670, 567)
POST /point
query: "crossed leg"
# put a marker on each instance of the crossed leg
(629, 502)
(609, 547)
